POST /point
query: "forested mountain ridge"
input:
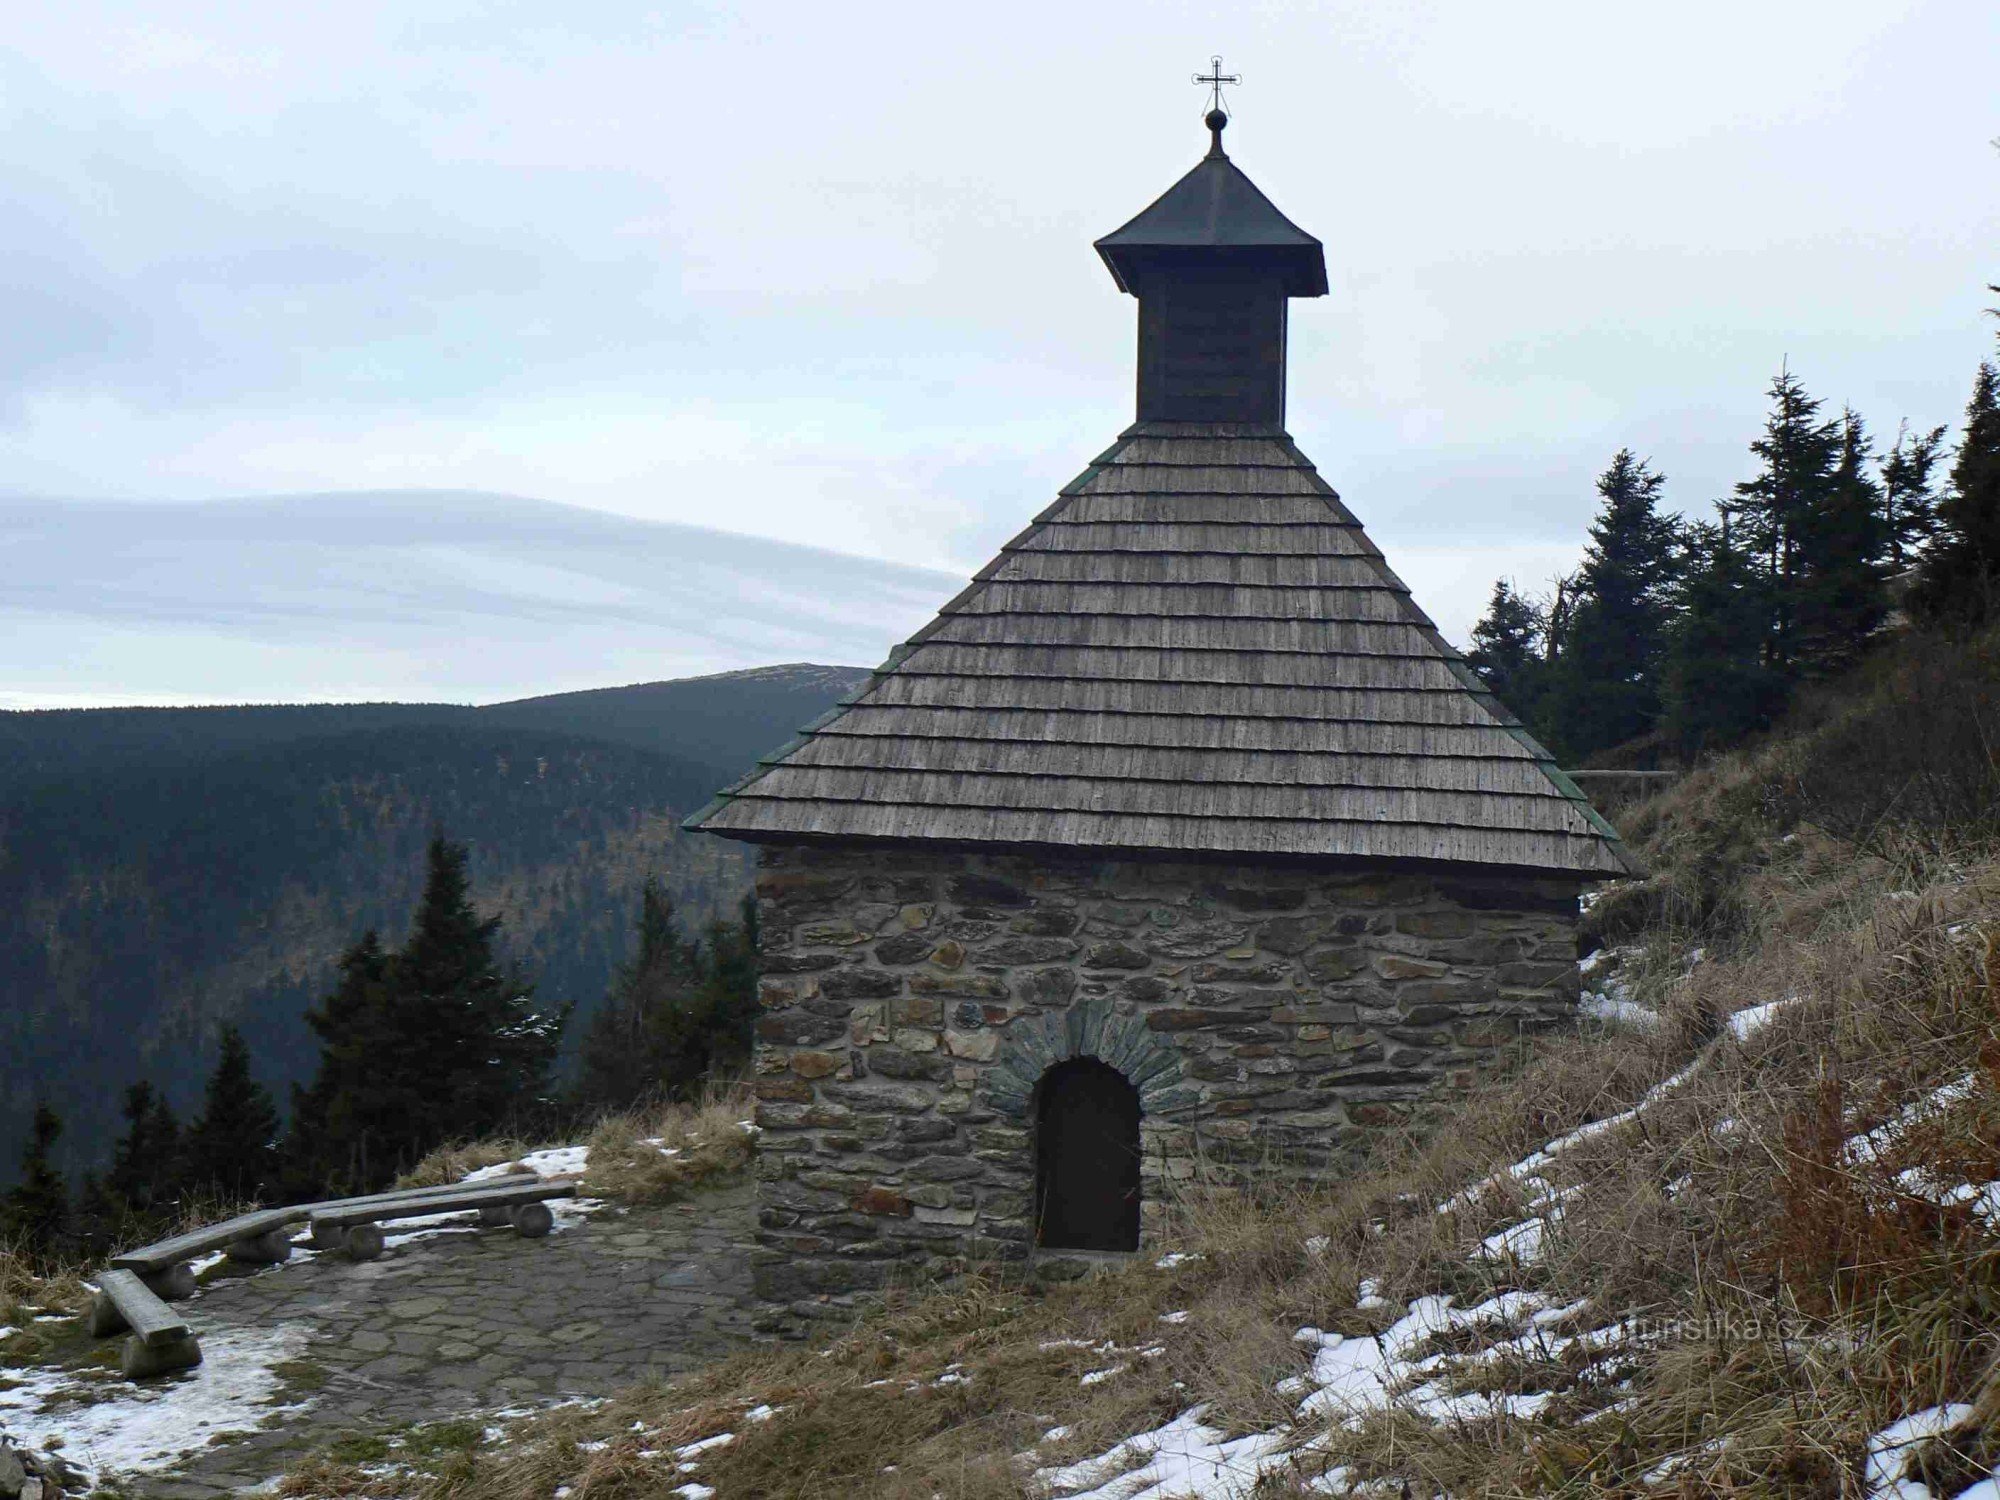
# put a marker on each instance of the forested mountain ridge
(723, 722)
(168, 871)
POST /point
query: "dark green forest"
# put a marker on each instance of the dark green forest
(171, 873)
(1679, 636)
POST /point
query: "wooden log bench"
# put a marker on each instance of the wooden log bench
(263, 1237)
(161, 1341)
(134, 1290)
(355, 1226)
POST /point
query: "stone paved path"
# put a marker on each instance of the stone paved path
(475, 1321)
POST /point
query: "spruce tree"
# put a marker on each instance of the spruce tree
(1843, 543)
(1909, 495)
(677, 1014)
(1799, 452)
(1605, 685)
(431, 1043)
(619, 1063)
(1507, 649)
(473, 1048)
(1960, 578)
(232, 1146)
(37, 1210)
(347, 1128)
(1719, 686)
(146, 1169)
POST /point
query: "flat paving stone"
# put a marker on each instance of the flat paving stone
(457, 1323)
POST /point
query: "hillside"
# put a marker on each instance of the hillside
(173, 869)
(1739, 1235)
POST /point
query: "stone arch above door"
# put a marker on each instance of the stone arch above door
(1034, 1044)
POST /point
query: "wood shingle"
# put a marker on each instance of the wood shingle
(1195, 650)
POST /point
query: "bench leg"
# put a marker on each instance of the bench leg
(496, 1216)
(364, 1242)
(265, 1249)
(142, 1361)
(533, 1220)
(327, 1237)
(105, 1318)
(174, 1284)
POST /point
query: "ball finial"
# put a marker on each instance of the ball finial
(1215, 119)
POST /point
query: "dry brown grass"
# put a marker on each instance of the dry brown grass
(28, 1287)
(451, 1163)
(655, 1155)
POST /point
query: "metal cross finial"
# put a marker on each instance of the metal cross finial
(1215, 78)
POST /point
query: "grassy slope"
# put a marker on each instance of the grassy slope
(1735, 1295)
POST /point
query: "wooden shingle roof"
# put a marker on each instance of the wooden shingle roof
(1195, 650)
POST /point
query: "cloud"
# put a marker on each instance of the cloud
(391, 594)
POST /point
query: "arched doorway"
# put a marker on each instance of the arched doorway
(1086, 1158)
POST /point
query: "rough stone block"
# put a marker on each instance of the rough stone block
(902, 949)
(883, 1201)
(979, 986)
(978, 1046)
(860, 984)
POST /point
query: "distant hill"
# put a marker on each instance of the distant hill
(723, 722)
(167, 870)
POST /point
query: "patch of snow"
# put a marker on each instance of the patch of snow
(703, 1445)
(1889, 1451)
(1173, 1317)
(1745, 1024)
(1175, 1258)
(1519, 1242)
(553, 1161)
(120, 1427)
(694, 1492)
(1096, 1377)
(1370, 1295)
(761, 1413)
(1616, 1010)
(1318, 1245)
(1180, 1460)
(1530, 1167)
(1871, 1146)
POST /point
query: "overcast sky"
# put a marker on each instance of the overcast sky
(823, 273)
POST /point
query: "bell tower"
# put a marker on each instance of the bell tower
(1213, 264)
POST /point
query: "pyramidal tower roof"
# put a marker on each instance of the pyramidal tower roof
(1195, 650)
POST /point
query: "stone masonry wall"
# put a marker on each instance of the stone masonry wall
(1269, 1016)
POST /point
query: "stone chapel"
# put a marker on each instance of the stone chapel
(1179, 841)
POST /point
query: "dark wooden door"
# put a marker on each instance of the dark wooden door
(1086, 1158)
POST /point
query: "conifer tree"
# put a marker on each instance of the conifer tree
(146, 1166)
(677, 1014)
(1507, 649)
(1775, 509)
(1842, 544)
(346, 1132)
(232, 1145)
(1960, 580)
(37, 1210)
(474, 1047)
(620, 1062)
(427, 1044)
(1605, 684)
(1719, 686)
(1909, 496)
